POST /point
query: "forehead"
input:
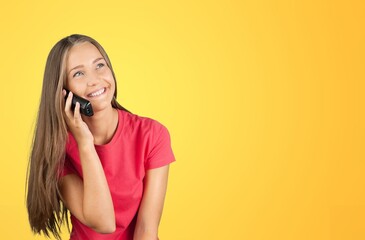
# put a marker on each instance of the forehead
(81, 54)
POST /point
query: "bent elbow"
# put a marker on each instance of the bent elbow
(101, 223)
(105, 228)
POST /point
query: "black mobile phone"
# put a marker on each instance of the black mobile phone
(85, 105)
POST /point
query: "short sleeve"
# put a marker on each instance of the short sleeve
(161, 152)
(66, 168)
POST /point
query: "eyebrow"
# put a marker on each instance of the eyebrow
(79, 66)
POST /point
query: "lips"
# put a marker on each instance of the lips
(96, 93)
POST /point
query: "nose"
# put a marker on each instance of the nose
(93, 80)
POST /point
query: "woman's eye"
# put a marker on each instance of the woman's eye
(100, 65)
(77, 74)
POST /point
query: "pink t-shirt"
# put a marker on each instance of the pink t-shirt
(139, 144)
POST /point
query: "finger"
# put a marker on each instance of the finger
(64, 92)
(68, 105)
(77, 114)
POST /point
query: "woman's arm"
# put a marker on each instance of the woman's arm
(152, 203)
(89, 200)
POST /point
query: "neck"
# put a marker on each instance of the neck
(103, 125)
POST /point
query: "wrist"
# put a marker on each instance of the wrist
(145, 235)
(85, 146)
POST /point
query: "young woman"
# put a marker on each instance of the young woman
(109, 170)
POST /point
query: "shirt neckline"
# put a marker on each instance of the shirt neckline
(117, 133)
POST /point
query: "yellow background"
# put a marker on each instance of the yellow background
(263, 100)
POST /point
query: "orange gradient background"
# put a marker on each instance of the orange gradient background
(263, 100)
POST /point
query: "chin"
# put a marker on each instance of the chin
(100, 107)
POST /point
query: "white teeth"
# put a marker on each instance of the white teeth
(97, 93)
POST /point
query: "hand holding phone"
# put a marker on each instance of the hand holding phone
(85, 105)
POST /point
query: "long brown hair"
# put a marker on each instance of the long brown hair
(44, 203)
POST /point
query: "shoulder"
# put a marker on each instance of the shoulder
(144, 124)
(71, 144)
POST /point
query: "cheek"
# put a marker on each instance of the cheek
(71, 84)
(109, 77)
(112, 86)
(75, 87)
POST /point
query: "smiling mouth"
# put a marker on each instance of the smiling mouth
(97, 93)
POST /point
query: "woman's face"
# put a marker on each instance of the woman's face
(89, 76)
